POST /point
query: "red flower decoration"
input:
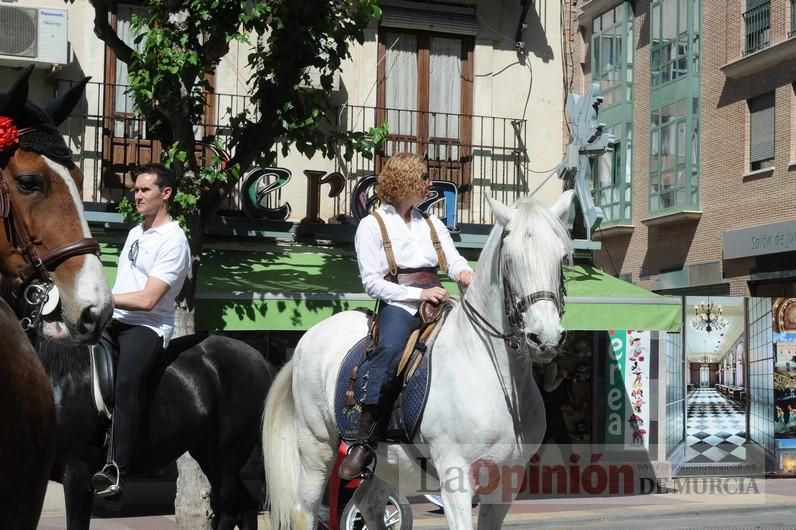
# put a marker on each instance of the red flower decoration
(9, 135)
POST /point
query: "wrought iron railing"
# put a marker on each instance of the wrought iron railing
(481, 154)
(758, 28)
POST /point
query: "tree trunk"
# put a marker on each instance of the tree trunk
(192, 503)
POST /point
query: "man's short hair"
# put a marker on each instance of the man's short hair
(164, 177)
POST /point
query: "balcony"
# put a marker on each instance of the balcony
(759, 53)
(481, 154)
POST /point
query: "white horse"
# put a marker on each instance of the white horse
(484, 410)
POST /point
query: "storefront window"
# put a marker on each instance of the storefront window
(675, 392)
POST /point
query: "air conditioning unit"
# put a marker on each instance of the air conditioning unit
(33, 35)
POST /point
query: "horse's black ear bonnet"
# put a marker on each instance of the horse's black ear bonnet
(38, 131)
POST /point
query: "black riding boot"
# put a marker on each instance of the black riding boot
(363, 450)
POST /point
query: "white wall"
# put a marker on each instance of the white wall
(503, 82)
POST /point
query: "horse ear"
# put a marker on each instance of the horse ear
(563, 205)
(503, 213)
(15, 99)
(60, 107)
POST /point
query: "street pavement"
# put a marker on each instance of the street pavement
(769, 503)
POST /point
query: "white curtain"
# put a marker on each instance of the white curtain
(445, 94)
(401, 84)
(123, 103)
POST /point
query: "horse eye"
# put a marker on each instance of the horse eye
(30, 183)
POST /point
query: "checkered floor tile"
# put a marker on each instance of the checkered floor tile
(716, 428)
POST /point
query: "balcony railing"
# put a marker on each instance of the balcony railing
(478, 153)
(758, 28)
(481, 154)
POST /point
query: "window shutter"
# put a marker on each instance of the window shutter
(430, 17)
(751, 4)
(761, 130)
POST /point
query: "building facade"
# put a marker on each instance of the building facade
(475, 86)
(700, 97)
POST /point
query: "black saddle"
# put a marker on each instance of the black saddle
(103, 367)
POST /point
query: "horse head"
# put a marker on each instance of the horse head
(532, 248)
(44, 237)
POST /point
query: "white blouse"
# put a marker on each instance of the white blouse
(413, 248)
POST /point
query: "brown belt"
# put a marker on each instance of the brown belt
(425, 276)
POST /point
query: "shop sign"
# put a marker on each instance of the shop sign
(760, 240)
(263, 186)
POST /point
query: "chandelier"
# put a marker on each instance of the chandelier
(708, 317)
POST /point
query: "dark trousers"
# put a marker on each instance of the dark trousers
(139, 349)
(395, 326)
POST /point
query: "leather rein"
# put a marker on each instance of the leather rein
(37, 266)
(513, 308)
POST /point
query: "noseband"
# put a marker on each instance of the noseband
(514, 308)
(37, 266)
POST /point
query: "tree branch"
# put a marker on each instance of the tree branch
(107, 34)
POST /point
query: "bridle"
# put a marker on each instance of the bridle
(514, 307)
(37, 266)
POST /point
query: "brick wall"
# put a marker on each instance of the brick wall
(729, 197)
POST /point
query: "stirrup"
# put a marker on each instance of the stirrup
(369, 469)
(113, 489)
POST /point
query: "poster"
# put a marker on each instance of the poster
(783, 326)
(627, 380)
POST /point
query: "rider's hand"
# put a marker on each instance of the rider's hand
(465, 278)
(434, 294)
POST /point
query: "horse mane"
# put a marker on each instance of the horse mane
(62, 360)
(528, 269)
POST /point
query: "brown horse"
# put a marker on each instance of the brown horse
(44, 241)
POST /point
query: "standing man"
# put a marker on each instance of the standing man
(152, 267)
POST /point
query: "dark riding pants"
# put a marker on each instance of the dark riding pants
(139, 349)
(395, 326)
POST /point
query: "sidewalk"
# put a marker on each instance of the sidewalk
(774, 494)
(764, 495)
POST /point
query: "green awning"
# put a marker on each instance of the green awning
(293, 287)
(599, 301)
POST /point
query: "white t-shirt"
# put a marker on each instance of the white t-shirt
(162, 252)
(413, 249)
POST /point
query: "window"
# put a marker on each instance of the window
(674, 156)
(792, 28)
(761, 131)
(757, 24)
(124, 123)
(611, 177)
(612, 54)
(425, 94)
(612, 69)
(674, 39)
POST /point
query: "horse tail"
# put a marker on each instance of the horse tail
(280, 448)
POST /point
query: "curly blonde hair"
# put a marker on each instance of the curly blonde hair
(401, 177)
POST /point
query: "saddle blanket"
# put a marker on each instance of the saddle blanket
(407, 410)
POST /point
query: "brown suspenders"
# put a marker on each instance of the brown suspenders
(392, 266)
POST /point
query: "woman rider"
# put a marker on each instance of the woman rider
(402, 185)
